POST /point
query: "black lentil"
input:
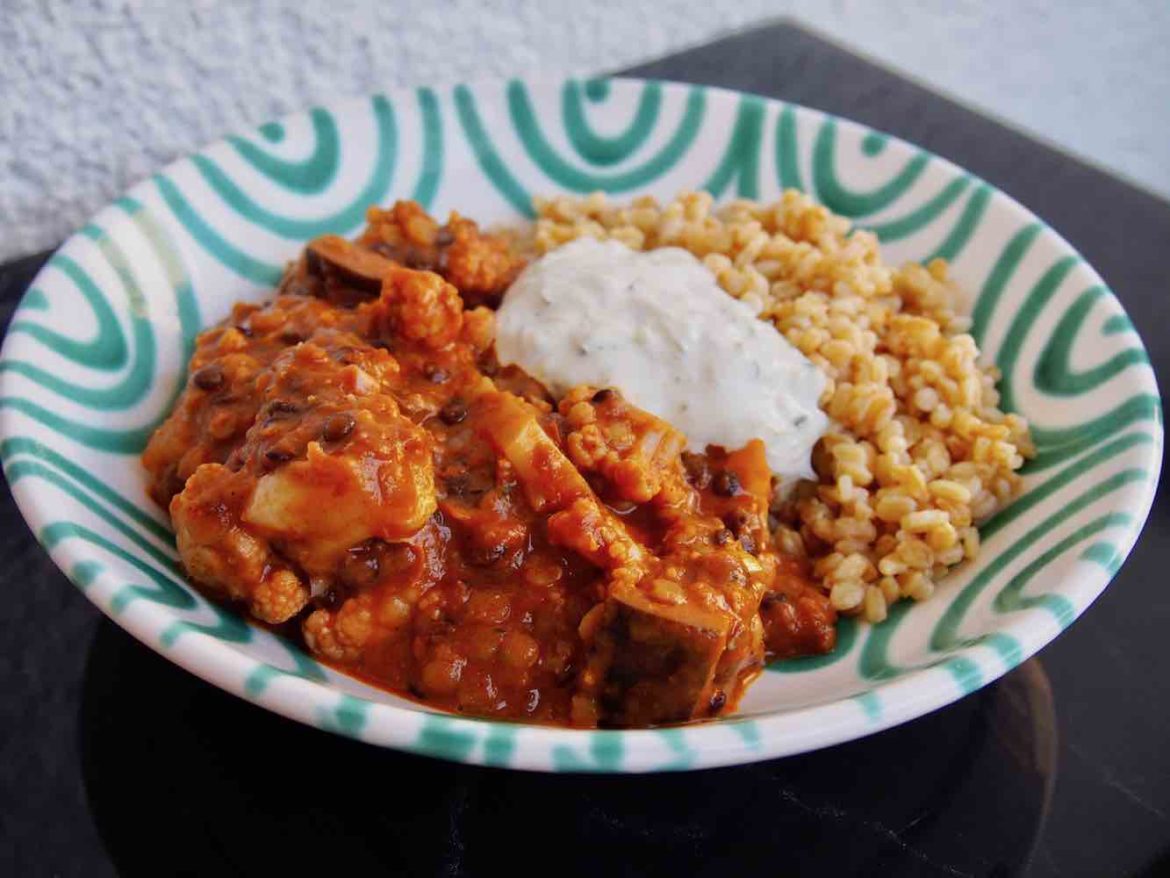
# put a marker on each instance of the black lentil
(209, 378)
(338, 426)
(453, 412)
(275, 456)
(283, 407)
(725, 483)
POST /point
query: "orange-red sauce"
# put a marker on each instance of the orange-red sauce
(349, 459)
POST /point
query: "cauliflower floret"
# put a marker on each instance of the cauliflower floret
(224, 556)
(634, 451)
(420, 306)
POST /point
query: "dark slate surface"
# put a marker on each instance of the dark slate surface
(1061, 768)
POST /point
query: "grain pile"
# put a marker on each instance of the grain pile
(918, 452)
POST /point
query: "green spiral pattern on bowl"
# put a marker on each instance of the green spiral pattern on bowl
(149, 272)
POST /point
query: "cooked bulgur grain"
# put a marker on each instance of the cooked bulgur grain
(919, 451)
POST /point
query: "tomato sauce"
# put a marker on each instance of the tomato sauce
(350, 460)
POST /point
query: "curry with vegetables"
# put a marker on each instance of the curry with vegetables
(351, 462)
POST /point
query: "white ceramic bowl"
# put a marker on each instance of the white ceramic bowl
(96, 354)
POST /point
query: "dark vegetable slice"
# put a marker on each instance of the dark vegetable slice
(658, 660)
(349, 264)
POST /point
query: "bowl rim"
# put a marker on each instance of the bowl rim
(755, 738)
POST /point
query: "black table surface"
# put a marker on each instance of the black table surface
(1060, 768)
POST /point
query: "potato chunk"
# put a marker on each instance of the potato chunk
(339, 502)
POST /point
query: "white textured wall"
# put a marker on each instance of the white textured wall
(95, 94)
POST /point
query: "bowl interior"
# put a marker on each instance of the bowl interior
(96, 354)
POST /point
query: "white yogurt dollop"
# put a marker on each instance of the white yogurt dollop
(658, 328)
